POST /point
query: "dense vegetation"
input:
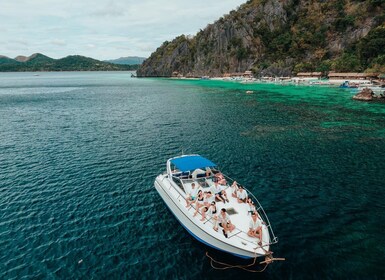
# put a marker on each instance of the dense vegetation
(39, 62)
(281, 37)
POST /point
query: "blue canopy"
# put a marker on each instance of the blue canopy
(188, 163)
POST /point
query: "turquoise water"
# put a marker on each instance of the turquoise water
(79, 153)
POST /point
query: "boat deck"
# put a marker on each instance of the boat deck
(239, 216)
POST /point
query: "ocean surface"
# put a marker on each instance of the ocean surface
(79, 153)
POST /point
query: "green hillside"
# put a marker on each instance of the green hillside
(40, 62)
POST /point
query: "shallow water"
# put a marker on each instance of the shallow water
(79, 153)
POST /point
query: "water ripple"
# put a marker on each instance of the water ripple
(78, 159)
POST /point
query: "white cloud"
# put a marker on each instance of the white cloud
(102, 29)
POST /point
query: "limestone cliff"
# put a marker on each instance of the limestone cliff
(277, 37)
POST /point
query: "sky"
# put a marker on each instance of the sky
(101, 29)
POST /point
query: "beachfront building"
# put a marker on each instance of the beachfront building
(311, 75)
(352, 76)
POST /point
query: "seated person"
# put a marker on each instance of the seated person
(209, 197)
(208, 172)
(241, 195)
(225, 222)
(255, 227)
(210, 210)
(222, 182)
(250, 206)
(199, 202)
(203, 213)
(219, 192)
(192, 195)
(234, 189)
(218, 176)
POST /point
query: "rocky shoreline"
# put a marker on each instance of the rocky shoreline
(365, 94)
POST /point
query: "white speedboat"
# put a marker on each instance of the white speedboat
(174, 186)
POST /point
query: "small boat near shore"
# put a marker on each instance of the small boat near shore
(175, 185)
(348, 84)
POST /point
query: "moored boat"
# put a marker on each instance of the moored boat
(175, 185)
(348, 84)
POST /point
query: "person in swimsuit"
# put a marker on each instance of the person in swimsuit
(223, 184)
(213, 212)
(210, 210)
(199, 202)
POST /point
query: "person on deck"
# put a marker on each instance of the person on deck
(192, 195)
(208, 172)
(219, 192)
(219, 176)
(213, 212)
(223, 184)
(209, 197)
(220, 179)
(225, 222)
(199, 202)
(210, 210)
(255, 227)
(250, 206)
(241, 195)
(234, 189)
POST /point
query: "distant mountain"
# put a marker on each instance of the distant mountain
(22, 58)
(40, 62)
(7, 60)
(129, 60)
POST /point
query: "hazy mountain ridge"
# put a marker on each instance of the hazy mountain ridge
(278, 37)
(129, 60)
(40, 62)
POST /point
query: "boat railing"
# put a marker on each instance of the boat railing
(259, 209)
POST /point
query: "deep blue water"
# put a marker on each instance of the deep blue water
(79, 153)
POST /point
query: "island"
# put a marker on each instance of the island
(40, 62)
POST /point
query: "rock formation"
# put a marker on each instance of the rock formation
(276, 37)
(365, 95)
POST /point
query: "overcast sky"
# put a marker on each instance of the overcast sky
(101, 29)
